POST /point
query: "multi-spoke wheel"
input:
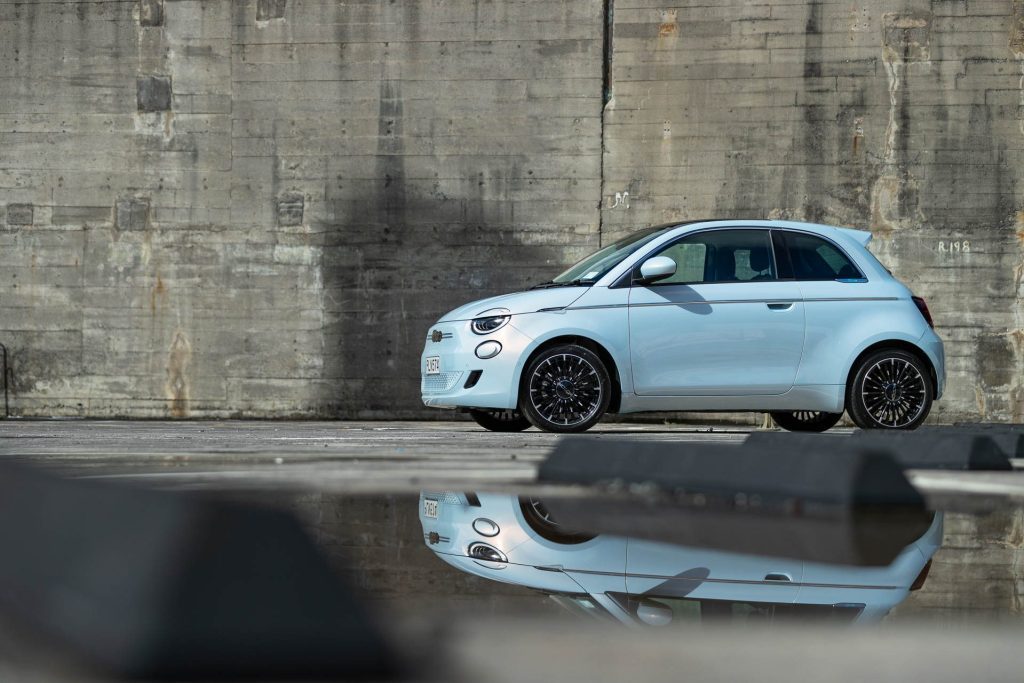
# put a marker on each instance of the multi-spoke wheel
(565, 389)
(500, 420)
(805, 420)
(890, 390)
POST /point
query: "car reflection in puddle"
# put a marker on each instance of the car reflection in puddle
(635, 580)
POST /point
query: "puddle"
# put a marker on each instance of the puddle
(449, 553)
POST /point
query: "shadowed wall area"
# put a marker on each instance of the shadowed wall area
(257, 208)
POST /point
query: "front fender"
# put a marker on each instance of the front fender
(607, 327)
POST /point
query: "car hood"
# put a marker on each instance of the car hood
(529, 301)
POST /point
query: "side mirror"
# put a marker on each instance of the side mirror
(654, 613)
(657, 268)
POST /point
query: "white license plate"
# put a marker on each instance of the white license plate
(434, 366)
(430, 508)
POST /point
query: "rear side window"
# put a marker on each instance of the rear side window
(721, 256)
(814, 258)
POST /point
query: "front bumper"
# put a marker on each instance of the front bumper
(497, 386)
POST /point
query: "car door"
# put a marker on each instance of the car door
(838, 302)
(672, 571)
(724, 324)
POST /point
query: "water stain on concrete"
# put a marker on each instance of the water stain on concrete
(177, 388)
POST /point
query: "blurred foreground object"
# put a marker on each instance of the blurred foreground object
(792, 480)
(929, 448)
(153, 585)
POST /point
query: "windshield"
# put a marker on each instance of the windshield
(594, 267)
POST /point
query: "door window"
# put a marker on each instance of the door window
(814, 258)
(721, 256)
(662, 611)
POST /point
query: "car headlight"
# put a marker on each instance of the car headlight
(482, 551)
(489, 324)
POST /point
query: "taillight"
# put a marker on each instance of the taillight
(919, 581)
(923, 307)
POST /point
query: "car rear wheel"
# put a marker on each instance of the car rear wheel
(500, 420)
(806, 420)
(565, 389)
(891, 389)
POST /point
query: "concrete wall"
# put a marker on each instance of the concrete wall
(258, 207)
(905, 118)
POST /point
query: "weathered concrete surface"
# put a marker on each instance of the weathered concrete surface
(899, 117)
(256, 208)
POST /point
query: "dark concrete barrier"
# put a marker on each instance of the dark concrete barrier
(792, 479)
(1009, 437)
(910, 450)
(153, 585)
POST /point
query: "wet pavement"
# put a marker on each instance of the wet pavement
(475, 572)
(373, 456)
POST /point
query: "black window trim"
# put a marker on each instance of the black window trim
(859, 280)
(631, 278)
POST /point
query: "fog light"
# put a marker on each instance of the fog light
(485, 527)
(489, 349)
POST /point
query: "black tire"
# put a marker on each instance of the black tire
(806, 420)
(540, 520)
(890, 389)
(565, 389)
(500, 420)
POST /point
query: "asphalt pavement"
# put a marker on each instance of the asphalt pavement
(365, 456)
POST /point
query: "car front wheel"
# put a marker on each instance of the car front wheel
(806, 420)
(500, 420)
(565, 389)
(891, 389)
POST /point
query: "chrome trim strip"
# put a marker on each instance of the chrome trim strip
(746, 582)
(736, 301)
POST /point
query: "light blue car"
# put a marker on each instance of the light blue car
(794, 319)
(514, 540)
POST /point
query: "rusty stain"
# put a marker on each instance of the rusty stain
(1017, 30)
(177, 387)
(858, 134)
(1017, 339)
(669, 27)
(158, 291)
(885, 205)
(168, 120)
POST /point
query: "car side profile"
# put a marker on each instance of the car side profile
(795, 319)
(515, 540)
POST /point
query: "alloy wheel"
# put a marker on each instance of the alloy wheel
(565, 389)
(893, 392)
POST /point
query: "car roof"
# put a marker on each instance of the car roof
(859, 237)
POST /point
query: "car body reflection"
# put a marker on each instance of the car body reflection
(515, 540)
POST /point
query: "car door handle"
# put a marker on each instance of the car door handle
(778, 576)
(781, 306)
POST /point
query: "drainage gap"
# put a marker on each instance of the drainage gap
(606, 97)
